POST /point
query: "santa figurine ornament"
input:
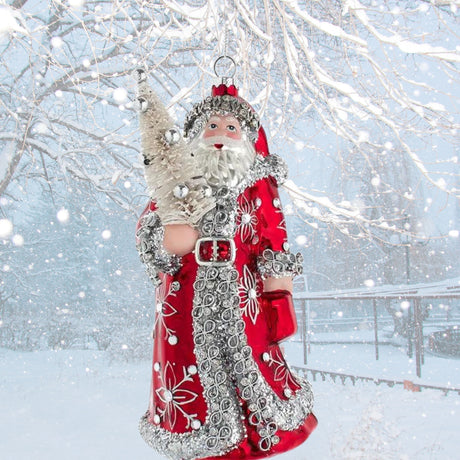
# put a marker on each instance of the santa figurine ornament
(213, 239)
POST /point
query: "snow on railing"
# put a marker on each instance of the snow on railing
(407, 384)
(449, 288)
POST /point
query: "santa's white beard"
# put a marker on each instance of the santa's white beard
(225, 166)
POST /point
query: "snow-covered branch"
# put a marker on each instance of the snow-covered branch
(354, 74)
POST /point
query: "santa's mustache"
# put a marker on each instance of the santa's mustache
(225, 165)
(226, 142)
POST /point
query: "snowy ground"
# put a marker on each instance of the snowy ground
(75, 404)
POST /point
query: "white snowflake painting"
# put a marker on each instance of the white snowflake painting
(249, 293)
(247, 219)
(174, 397)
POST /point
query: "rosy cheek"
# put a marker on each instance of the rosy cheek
(234, 135)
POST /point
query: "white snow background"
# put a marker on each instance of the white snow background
(359, 97)
(77, 404)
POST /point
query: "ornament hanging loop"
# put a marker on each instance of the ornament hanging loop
(225, 68)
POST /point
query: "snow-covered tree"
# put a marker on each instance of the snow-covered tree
(72, 277)
(327, 76)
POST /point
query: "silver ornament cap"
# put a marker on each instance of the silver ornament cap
(172, 136)
(180, 191)
(143, 104)
(140, 75)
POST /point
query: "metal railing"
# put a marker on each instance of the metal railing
(413, 294)
(334, 376)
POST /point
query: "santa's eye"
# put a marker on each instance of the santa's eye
(212, 126)
(231, 128)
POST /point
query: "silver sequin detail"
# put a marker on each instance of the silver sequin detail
(181, 191)
(172, 340)
(192, 369)
(196, 424)
(142, 104)
(279, 264)
(175, 286)
(150, 247)
(172, 136)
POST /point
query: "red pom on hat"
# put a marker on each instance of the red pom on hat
(223, 90)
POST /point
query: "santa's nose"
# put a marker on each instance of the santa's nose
(218, 146)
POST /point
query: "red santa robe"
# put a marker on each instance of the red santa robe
(221, 387)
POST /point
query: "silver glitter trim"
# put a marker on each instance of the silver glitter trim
(271, 165)
(201, 112)
(278, 264)
(151, 251)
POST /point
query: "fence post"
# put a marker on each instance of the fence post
(376, 334)
(410, 323)
(418, 332)
(304, 333)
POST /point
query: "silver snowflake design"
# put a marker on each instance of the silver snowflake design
(174, 397)
(164, 309)
(275, 359)
(249, 294)
(247, 219)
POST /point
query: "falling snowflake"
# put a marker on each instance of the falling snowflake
(247, 220)
(249, 294)
(174, 397)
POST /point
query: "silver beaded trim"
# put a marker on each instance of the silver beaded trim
(271, 165)
(200, 114)
(278, 264)
(151, 251)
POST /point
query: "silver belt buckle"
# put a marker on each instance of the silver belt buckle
(215, 252)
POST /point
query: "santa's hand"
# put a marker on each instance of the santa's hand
(179, 239)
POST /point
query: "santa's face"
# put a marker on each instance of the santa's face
(222, 127)
(223, 154)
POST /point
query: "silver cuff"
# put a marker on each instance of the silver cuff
(151, 251)
(278, 264)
